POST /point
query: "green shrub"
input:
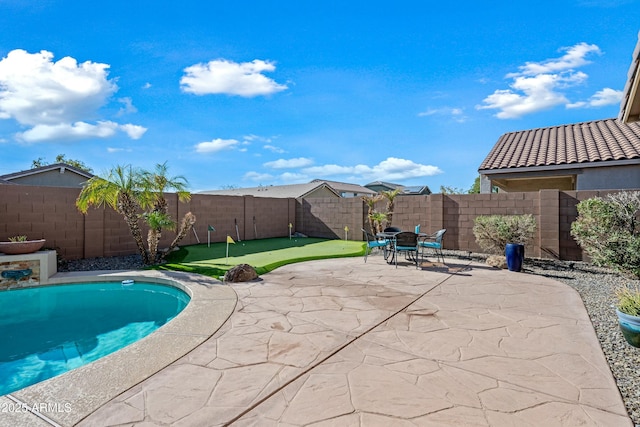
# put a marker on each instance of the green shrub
(493, 232)
(608, 230)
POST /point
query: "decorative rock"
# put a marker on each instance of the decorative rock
(497, 261)
(241, 273)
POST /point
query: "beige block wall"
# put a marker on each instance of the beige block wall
(50, 213)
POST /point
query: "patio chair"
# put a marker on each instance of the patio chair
(405, 242)
(434, 242)
(374, 242)
(392, 230)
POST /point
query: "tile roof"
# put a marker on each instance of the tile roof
(385, 184)
(346, 187)
(579, 143)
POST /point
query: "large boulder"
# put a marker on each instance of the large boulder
(240, 273)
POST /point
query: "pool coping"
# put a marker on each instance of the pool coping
(68, 398)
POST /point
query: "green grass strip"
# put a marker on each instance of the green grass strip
(263, 254)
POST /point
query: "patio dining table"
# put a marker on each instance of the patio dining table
(390, 237)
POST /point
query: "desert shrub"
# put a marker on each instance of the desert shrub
(629, 300)
(608, 230)
(493, 232)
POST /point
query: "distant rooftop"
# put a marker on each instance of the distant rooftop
(277, 191)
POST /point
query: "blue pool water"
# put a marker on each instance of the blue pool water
(49, 330)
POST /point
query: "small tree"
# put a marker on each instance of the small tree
(139, 195)
(371, 201)
(390, 195)
(608, 230)
(61, 158)
(493, 232)
(377, 218)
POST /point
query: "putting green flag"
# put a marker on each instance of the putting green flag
(229, 239)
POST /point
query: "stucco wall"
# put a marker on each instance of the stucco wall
(620, 177)
(54, 178)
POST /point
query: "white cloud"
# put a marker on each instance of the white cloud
(537, 86)
(216, 145)
(293, 177)
(118, 150)
(390, 169)
(134, 131)
(330, 170)
(227, 77)
(289, 163)
(456, 114)
(55, 99)
(601, 98)
(76, 131)
(274, 149)
(257, 177)
(574, 58)
(259, 138)
(127, 106)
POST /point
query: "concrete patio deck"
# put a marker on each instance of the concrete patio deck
(343, 343)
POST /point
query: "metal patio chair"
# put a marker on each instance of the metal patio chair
(374, 242)
(433, 241)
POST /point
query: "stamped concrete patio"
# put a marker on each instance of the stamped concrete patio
(344, 343)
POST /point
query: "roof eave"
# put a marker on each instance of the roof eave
(630, 104)
(564, 166)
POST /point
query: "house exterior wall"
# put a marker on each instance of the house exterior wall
(52, 178)
(321, 192)
(485, 184)
(618, 177)
(606, 178)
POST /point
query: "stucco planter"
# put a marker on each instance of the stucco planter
(19, 248)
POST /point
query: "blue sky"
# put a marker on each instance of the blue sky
(248, 93)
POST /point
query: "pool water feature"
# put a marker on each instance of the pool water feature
(48, 330)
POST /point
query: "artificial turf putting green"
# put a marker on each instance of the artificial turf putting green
(263, 254)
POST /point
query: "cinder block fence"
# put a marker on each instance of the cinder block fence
(50, 213)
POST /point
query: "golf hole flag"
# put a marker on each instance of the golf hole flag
(209, 230)
(229, 240)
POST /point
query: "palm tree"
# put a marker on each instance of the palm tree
(154, 185)
(156, 222)
(371, 201)
(390, 195)
(139, 195)
(376, 221)
(120, 192)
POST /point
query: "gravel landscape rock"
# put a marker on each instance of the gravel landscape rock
(595, 285)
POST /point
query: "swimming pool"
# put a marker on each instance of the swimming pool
(48, 330)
